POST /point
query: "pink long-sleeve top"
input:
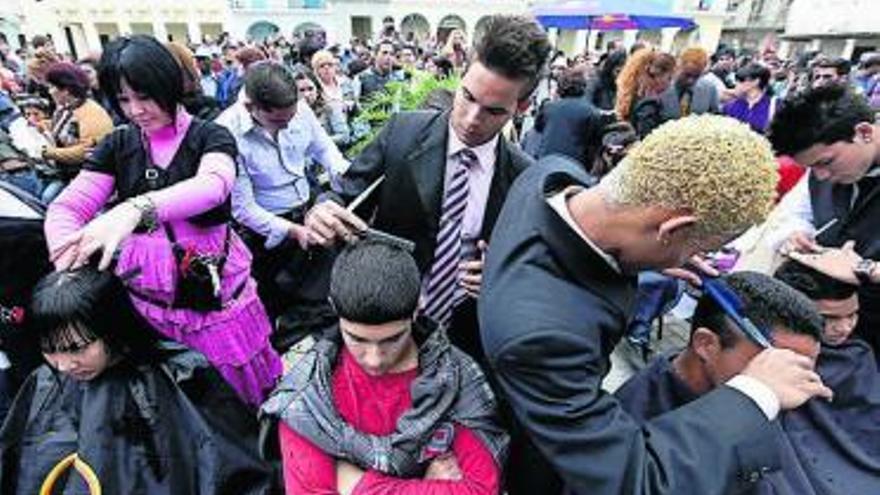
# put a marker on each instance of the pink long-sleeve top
(372, 404)
(90, 190)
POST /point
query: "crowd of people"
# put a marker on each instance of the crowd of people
(206, 290)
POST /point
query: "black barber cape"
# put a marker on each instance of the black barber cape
(826, 448)
(153, 429)
(551, 311)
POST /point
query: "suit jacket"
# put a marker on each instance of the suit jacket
(411, 152)
(573, 127)
(704, 99)
(551, 312)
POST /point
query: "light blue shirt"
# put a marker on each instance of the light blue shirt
(271, 177)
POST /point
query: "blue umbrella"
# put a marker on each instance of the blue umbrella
(609, 15)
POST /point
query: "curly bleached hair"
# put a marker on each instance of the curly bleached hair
(712, 166)
(634, 76)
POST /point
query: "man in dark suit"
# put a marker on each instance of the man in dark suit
(558, 292)
(573, 126)
(446, 175)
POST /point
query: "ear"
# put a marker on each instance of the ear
(865, 131)
(675, 226)
(705, 344)
(523, 105)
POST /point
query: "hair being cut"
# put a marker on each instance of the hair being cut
(815, 285)
(71, 307)
(770, 304)
(514, 46)
(373, 282)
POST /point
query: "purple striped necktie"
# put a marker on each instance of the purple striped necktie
(443, 293)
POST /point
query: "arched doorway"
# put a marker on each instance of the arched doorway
(448, 24)
(261, 30)
(308, 29)
(415, 27)
(480, 26)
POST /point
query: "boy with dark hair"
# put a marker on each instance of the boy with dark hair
(383, 403)
(823, 447)
(446, 174)
(718, 349)
(832, 131)
(836, 301)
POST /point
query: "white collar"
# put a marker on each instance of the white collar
(485, 152)
(559, 203)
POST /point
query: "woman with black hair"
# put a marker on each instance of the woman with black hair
(754, 103)
(602, 91)
(172, 174)
(138, 414)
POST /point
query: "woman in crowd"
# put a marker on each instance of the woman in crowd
(172, 174)
(645, 75)
(456, 49)
(754, 103)
(329, 112)
(77, 124)
(139, 415)
(196, 102)
(602, 92)
(335, 86)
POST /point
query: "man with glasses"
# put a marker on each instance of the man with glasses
(383, 402)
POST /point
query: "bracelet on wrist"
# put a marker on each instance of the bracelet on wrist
(149, 219)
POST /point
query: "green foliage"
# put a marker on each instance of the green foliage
(398, 96)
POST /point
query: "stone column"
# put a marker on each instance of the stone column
(93, 41)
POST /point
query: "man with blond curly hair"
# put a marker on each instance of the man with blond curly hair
(558, 292)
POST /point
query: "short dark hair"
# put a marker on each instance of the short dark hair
(767, 302)
(814, 284)
(823, 115)
(571, 83)
(269, 85)
(146, 66)
(840, 64)
(385, 42)
(374, 282)
(514, 46)
(89, 304)
(40, 40)
(754, 70)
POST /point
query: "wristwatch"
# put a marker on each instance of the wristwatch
(149, 218)
(864, 271)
